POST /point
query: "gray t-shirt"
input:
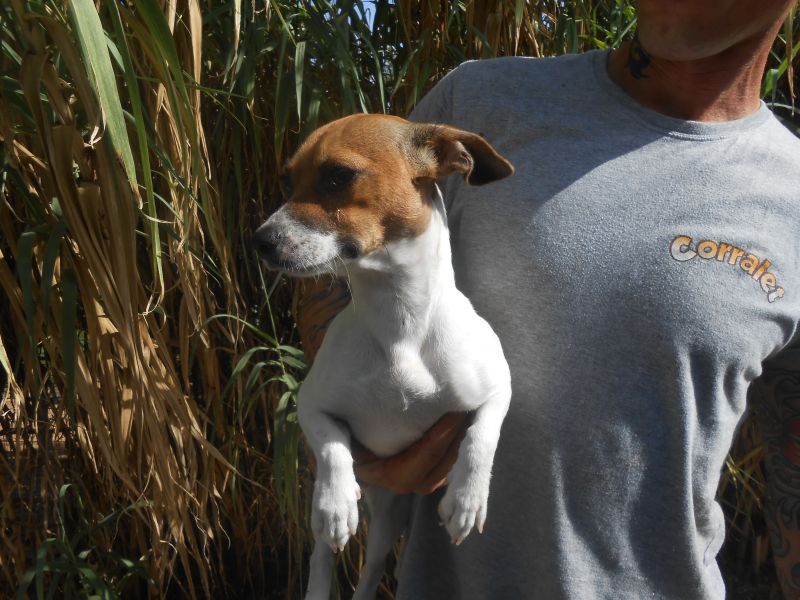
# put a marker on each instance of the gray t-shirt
(638, 270)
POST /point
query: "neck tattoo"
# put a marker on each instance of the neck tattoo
(638, 59)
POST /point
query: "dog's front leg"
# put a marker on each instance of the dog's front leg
(464, 503)
(334, 508)
(334, 515)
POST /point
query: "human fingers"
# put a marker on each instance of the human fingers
(408, 470)
(437, 476)
(361, 454)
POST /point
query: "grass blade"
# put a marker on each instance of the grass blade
(94, 49)
(69, 337)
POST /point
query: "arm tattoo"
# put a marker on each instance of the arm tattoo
(315, 306)
(777, 397)
(638, 59)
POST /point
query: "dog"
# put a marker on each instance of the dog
(362, 203)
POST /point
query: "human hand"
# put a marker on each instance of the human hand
(421, 468)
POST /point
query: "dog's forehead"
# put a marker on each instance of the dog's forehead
(353, 141)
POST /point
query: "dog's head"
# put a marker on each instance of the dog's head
(363, 181)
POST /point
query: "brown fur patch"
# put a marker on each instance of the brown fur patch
(396, 164)
(384, 202)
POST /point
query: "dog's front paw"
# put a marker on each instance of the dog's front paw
(334, 513)
(464, 505)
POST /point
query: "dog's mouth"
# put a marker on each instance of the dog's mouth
(287, 245)
(297, 267)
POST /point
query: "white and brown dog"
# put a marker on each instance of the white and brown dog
(363, 204)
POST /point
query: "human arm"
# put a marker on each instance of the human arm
(777, 400)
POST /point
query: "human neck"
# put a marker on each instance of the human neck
(396, 289)
(722, 87)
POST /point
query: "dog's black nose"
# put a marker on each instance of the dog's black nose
(266, 242)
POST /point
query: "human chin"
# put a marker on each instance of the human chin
(679, 44)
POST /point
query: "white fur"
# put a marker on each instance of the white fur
(408, 349)
(311, 250)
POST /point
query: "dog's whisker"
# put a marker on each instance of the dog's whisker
(346, 272)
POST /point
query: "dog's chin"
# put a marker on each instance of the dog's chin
(296, 269)
(293, 269)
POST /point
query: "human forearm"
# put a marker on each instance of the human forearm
(777, 397)
(317, 302)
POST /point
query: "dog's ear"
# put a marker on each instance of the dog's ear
(454, 150)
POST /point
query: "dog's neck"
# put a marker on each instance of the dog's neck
(397, 289)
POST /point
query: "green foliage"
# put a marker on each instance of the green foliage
(70, 565)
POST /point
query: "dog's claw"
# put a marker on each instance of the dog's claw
(336, 548)
(463, 506)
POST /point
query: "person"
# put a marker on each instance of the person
(642, 268)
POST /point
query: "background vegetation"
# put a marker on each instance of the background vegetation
(148, 440)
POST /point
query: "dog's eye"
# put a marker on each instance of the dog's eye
(337, 178)
(285, 183)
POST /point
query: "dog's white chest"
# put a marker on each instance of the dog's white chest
(390, 407)
(388, 399)
(408, 374)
